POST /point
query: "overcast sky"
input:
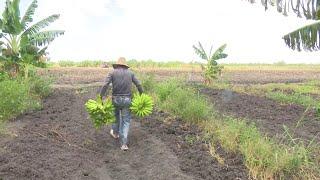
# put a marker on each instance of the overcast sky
(165, 30)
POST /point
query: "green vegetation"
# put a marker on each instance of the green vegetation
(147, 81)
(100, 112)
(295, 98)
(142, 105)
(86, 63)
(163, 90)
(21, 44)
(211, 70)
(132, 63)
(307, 37)
(186, 104)
(196, 66)
(264, 157)
(22, 48)
(20, 95)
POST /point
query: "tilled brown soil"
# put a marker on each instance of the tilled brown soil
(59, 142)
(268, 76)
(268, 115)
(187, 144)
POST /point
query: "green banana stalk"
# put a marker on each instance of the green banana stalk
(142, 105)
(101, 113)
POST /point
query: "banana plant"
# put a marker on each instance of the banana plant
(307, 37)
(211, 70)
(19, 35)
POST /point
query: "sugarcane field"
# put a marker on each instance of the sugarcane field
(159, 90)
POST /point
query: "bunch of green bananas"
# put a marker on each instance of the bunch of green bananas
(142, 105)
(101, 113)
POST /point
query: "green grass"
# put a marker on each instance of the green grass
(295, 98)
(174, 97)
(20, 95)
(186, 104)
(16, 98)
(164, 89)
(264, 157)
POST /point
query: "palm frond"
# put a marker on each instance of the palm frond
(11, 18)
(310, 9)
(307, 38)
(41, 24)
(42, 52)
(1, 24)
(44, 37)
(27, 18)
(218, 54)
(200, 51)
(204, 52)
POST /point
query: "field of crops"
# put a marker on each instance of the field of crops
(254, 122)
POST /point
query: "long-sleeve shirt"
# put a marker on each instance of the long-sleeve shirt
(121, 80)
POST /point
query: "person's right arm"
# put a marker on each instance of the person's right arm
(104, 89)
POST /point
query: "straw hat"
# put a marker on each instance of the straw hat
(122, 62)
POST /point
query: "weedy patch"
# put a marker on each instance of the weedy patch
(264, 158)
(190, 139)
(82, 91)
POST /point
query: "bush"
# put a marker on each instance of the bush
(3, 76)
(164, 89)
(39, 86)
(187, 105)
(296, 98)
(175, 98)
(148, 82)
(16, 98)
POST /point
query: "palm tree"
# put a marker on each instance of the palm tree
(21, 43)
(307, 37)
(211, 69)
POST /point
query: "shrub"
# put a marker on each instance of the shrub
(164, 89)
(3, 76)
(39, 86)
(16, 98)
(187, 105)
(148, 82)
(297, 98)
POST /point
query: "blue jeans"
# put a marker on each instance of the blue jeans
(123, 117)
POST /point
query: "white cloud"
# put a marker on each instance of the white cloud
(166, 30)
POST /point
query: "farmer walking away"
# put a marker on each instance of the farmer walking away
(121, 78)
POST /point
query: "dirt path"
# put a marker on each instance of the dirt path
(268, 115)
(59, 142)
